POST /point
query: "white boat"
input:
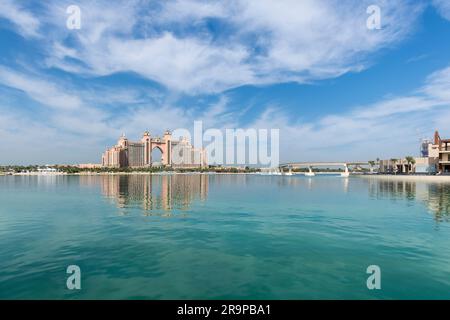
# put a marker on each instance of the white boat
(309, 174)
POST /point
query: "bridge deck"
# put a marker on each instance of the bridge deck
(320, 164)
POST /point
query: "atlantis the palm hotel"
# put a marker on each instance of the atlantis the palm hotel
(139, 154)
(434, 159)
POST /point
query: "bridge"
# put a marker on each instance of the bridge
(310, 165)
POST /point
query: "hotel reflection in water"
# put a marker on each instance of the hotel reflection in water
(165, 193)
(161, 193)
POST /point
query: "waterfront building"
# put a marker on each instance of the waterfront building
(444, 153)
(425, 165)
(401, 165)
(174, 153)
(435, 158)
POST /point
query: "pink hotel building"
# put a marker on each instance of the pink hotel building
(139, 154)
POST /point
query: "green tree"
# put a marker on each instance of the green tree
(372, 164)
(411, 161)
(394, 161)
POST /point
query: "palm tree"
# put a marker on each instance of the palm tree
(411, 161)
(394, 161)
(372, 164)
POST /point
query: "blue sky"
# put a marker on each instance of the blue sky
(335, 89)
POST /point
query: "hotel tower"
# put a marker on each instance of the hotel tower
(174, 153)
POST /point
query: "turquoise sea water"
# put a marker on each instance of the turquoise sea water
(223, 236)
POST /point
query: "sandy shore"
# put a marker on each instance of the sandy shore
(406, 178)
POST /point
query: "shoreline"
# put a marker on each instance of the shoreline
(163, 173)
(415, 178)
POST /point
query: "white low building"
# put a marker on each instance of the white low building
(47, 170)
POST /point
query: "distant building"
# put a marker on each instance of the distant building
(174, 153)
(424, 148)
(47, 170)
(443, 149)
(426, 165)
(435, 157)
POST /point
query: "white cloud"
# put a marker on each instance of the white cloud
(181, 64)
(262, 42)
(24, 21)
(30, 141)
(39, 89)
(389, 128)
(438, 85)
(259, 42)
(64, 110)
(74, 125)
(443, 7)
(190, 11)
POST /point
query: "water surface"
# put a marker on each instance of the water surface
(223, 236)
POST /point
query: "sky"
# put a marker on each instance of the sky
(336, 90)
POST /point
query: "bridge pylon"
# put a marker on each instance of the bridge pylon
(310, 172)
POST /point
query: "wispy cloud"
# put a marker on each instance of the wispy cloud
(259, 42)
(390, 127)
(25, 22)
(443, 6)
(38, 89)
(173, 43)
(384, 129)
